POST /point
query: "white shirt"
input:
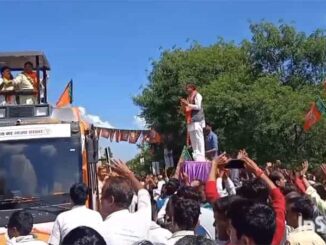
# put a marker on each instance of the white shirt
(69, 220)
(25, 240)
(23, 82)
(157, 234)
(197, 106)
(179, 235)
(229, 187)
(125, 228)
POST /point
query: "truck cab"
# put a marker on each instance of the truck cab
(42, 151)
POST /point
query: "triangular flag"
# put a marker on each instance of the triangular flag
(312, 117)
(112, 132)
(133, 137)
(185, 154)
(105, 133)
(66, 97)
(124, 135)
(117, 136)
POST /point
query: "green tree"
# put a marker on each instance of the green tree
(256, 93)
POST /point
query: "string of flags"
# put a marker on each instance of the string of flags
(131, 136)
(317, 109)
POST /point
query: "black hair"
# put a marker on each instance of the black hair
(188, 192)
(120, 189)
(194, 240)
(28, 63)
(172, 186)
(302, 205)
(186, 213)
(4, 68)
(321, 191)
(22, 221)
(78, 193)
(254, 189)
(209, 124)
(222, 204)
(275, 176)
(83, 235)
(288, 188)
(254, 220)
(144, 242)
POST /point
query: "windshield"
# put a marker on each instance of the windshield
(39, 168)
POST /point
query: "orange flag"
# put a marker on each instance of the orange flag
(312, 117)
(66, 97)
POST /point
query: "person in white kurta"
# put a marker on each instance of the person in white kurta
(27, 81)
(196, 123)
(79, 215)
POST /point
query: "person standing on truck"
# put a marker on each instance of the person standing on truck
(6, 84)
(27, 80)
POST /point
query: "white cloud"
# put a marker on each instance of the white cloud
(94, 119)
(139, 122)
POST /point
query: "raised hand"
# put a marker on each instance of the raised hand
(305, 166)
(121, 168)
(221, 160)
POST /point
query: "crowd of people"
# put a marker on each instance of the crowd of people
(269, 205)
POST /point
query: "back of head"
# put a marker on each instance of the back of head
(78, 193)
(83, 236)
(275, 176)
(221, 205)
(188, 192)
(120, 189)
(254, 189)
(144, 242)
(172, 186)
(185, 213)
(20, 222)
(256, 221)
(301, 205)
(194, 240)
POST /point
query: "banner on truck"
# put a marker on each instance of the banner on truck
(40, 131)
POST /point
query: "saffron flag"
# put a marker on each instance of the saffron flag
(66, 97)
(117, 136)
(112, 132)
(133, 137)
(312, 117)
(124, 135)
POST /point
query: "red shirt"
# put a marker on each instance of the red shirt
(278, 203)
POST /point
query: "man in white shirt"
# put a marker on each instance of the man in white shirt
(120, 226)
(196, 121)
(27, 80)
(20, 226)
(79, 215)
(185, 214)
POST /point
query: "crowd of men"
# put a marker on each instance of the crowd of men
(269, 205)
(27, 80)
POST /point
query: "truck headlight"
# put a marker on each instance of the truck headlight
(42, 111)
(2, 112)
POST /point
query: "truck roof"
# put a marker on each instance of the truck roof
(16, 60)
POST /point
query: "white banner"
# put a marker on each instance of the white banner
(40, 131)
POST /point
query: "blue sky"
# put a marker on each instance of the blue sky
(106, 46)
